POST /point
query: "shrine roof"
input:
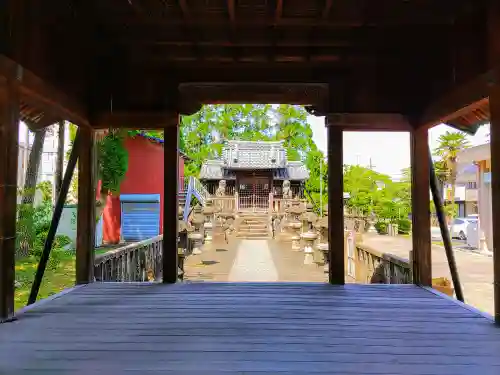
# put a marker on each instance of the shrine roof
(250, 155)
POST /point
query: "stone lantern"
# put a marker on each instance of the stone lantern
(322, 246)
(182, 247)
(294, 224)
(308, 218)
(208, 213)
(309, 235)
(197, 234)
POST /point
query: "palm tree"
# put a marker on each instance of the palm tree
(450, 144)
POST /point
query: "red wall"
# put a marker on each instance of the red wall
(144, 176)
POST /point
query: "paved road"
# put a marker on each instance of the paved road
(475, 270)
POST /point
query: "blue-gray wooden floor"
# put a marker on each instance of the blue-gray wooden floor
(249, 328)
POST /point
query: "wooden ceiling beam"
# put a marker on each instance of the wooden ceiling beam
(368, 36)
(133, 120)
(264, 92)
(370, 121)
(415, 20)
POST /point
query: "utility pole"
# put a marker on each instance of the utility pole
(321, 187)
(371, 165)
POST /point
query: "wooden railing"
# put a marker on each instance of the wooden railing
(374, 267)
(141, 261)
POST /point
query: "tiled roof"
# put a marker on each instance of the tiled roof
(244, 155)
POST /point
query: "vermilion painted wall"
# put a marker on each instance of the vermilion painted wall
(144, 176)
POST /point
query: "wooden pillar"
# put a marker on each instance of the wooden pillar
(336, 274)
(86, 221)
(494, 60)
(9, 139)
(170, 201)
(420, 202)
(495, 190)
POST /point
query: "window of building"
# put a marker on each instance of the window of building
(472, 185)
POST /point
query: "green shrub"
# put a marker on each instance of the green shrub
(381, 227)
(404, 226)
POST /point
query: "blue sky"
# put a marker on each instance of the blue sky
(389, 151)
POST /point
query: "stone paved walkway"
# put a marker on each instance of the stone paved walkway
(475, 270)
(251, 260)
(254, 262)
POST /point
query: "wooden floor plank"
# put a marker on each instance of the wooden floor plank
(251, 328)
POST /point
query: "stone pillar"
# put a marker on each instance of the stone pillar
(309, 235)
(208, 213)
(197, 235)
(322, 245)
(294, 224)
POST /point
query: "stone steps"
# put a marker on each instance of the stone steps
(253, 226)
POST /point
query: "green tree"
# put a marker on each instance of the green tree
(318, 177)
(203, 134)
(450, 144)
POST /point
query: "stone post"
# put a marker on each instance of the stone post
(308, 235)
(197, 235)
(182, 247)
(208, 213)
(295, 224)
(323, 246)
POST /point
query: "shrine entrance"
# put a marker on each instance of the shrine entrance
(253, 190)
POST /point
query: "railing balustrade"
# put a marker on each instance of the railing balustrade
(373, 267)
(141, 261)
(183, 184)
(224, 204)
(200, 189)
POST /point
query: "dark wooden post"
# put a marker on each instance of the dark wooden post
(336, 274)
(9, 140)
(170, 203)
(494, 57)
(85, 237)
(60, 158)
(420, 202)
(495, 190)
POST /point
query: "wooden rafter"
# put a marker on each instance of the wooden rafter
(326, 9)
(458, 101)
(39, 94)
(136, 6)
(185, 10)
(279, 12)
(231, 11)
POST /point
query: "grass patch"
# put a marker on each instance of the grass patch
(57, 277)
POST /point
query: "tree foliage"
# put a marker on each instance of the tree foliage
(112, 161)
(450, 144)
(375, 192)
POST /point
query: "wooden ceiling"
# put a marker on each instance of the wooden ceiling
(185, 33)
(372, 55)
